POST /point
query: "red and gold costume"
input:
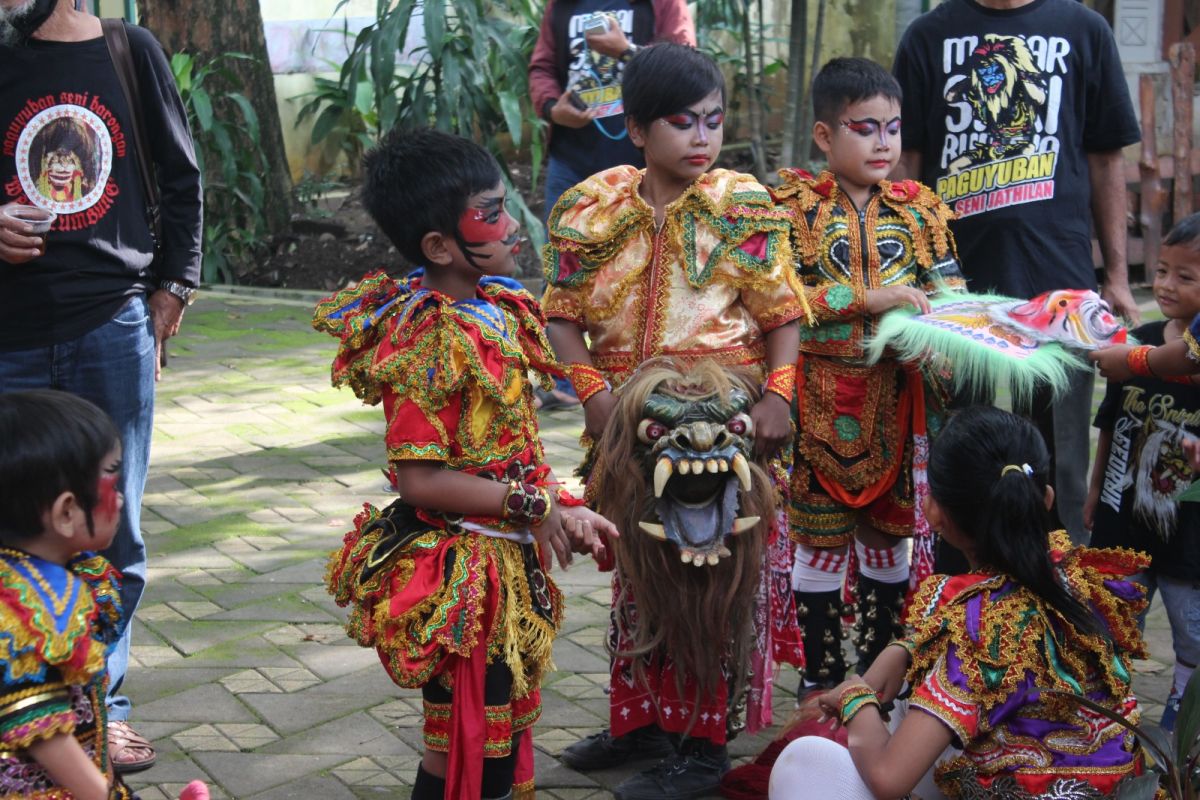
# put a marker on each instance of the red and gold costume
(59, 622)
(442, 596)
(709, 283)
(854, 445)
(983, 647)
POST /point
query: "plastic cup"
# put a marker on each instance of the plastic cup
(39, 220)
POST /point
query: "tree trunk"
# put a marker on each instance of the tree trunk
(207, 28)
(807, 120)
(753, 93)
(793, 114)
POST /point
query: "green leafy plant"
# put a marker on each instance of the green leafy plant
(344, 121)
(226, 134)
(309, 191)
(1174, 759)
(468, 77)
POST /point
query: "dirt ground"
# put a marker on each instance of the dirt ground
(336, 242)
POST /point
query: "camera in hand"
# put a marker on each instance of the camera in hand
(596, 23)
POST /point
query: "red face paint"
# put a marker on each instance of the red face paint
(873, 128)
(479, 225)
(107, 494)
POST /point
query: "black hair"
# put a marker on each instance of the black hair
(843, 81)
(1186, 232)
(418, 181)
(50, 442)
(1003, 512)
(666, 78)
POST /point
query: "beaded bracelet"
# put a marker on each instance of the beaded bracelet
(1138, 360)
(782, 381)
(586, 380)
(526, 503)
(854, 699)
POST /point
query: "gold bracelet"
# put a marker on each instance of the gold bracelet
(586, 380)
(854, 699)
(782, 381)
(526, 503)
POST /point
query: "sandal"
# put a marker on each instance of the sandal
(128, 751)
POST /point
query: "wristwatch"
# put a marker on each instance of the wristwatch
(629, 53)
(185, 293)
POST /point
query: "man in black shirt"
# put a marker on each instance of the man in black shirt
(87, 306)
(1015, 112)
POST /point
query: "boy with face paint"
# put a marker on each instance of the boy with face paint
(863, 245)
(688, 262)
(60, 607)
(450, 584)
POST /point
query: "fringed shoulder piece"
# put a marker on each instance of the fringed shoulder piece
(55, 617)
(1000, 630)
(927, 216)
(800, 192)
(356, 316)
(592, 223)
(531, 323)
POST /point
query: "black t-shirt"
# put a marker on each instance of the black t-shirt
(597, 79)
(66, 144)
(1004, 107)
(1149, 420)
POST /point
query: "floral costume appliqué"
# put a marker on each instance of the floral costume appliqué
(441, 596)
(58, 626)
(983, 646)
(857, 422)
(710, 283)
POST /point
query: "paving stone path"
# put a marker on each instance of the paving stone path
(241, 672)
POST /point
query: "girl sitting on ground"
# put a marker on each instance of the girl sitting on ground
(1034, 613)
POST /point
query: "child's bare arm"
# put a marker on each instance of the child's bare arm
(1168, 360)
(772, 414)
(69, 767)
(881, 300)
(567, 339)
(426, 484)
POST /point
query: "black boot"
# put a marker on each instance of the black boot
(695, 771)
(819, 615)
(880, 618)
(603, 751)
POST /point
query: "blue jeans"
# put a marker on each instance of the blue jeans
(112, 366)
(1181, 598)
(559, 178)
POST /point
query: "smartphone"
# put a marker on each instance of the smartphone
(574, 99)
(596, 23)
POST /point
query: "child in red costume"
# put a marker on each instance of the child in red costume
(450, 583)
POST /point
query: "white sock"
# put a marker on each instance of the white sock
(818, 570)
(886, 565)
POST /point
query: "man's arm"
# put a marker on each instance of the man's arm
(543, 73)
(673, 22)
(1107, 175)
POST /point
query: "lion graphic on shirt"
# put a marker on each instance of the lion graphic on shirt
(1006, 93)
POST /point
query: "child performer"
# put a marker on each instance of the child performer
(693, 263)
(1034, 613)
(60, 602)
(450, 582)
(864, 245)
(1141, 466)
